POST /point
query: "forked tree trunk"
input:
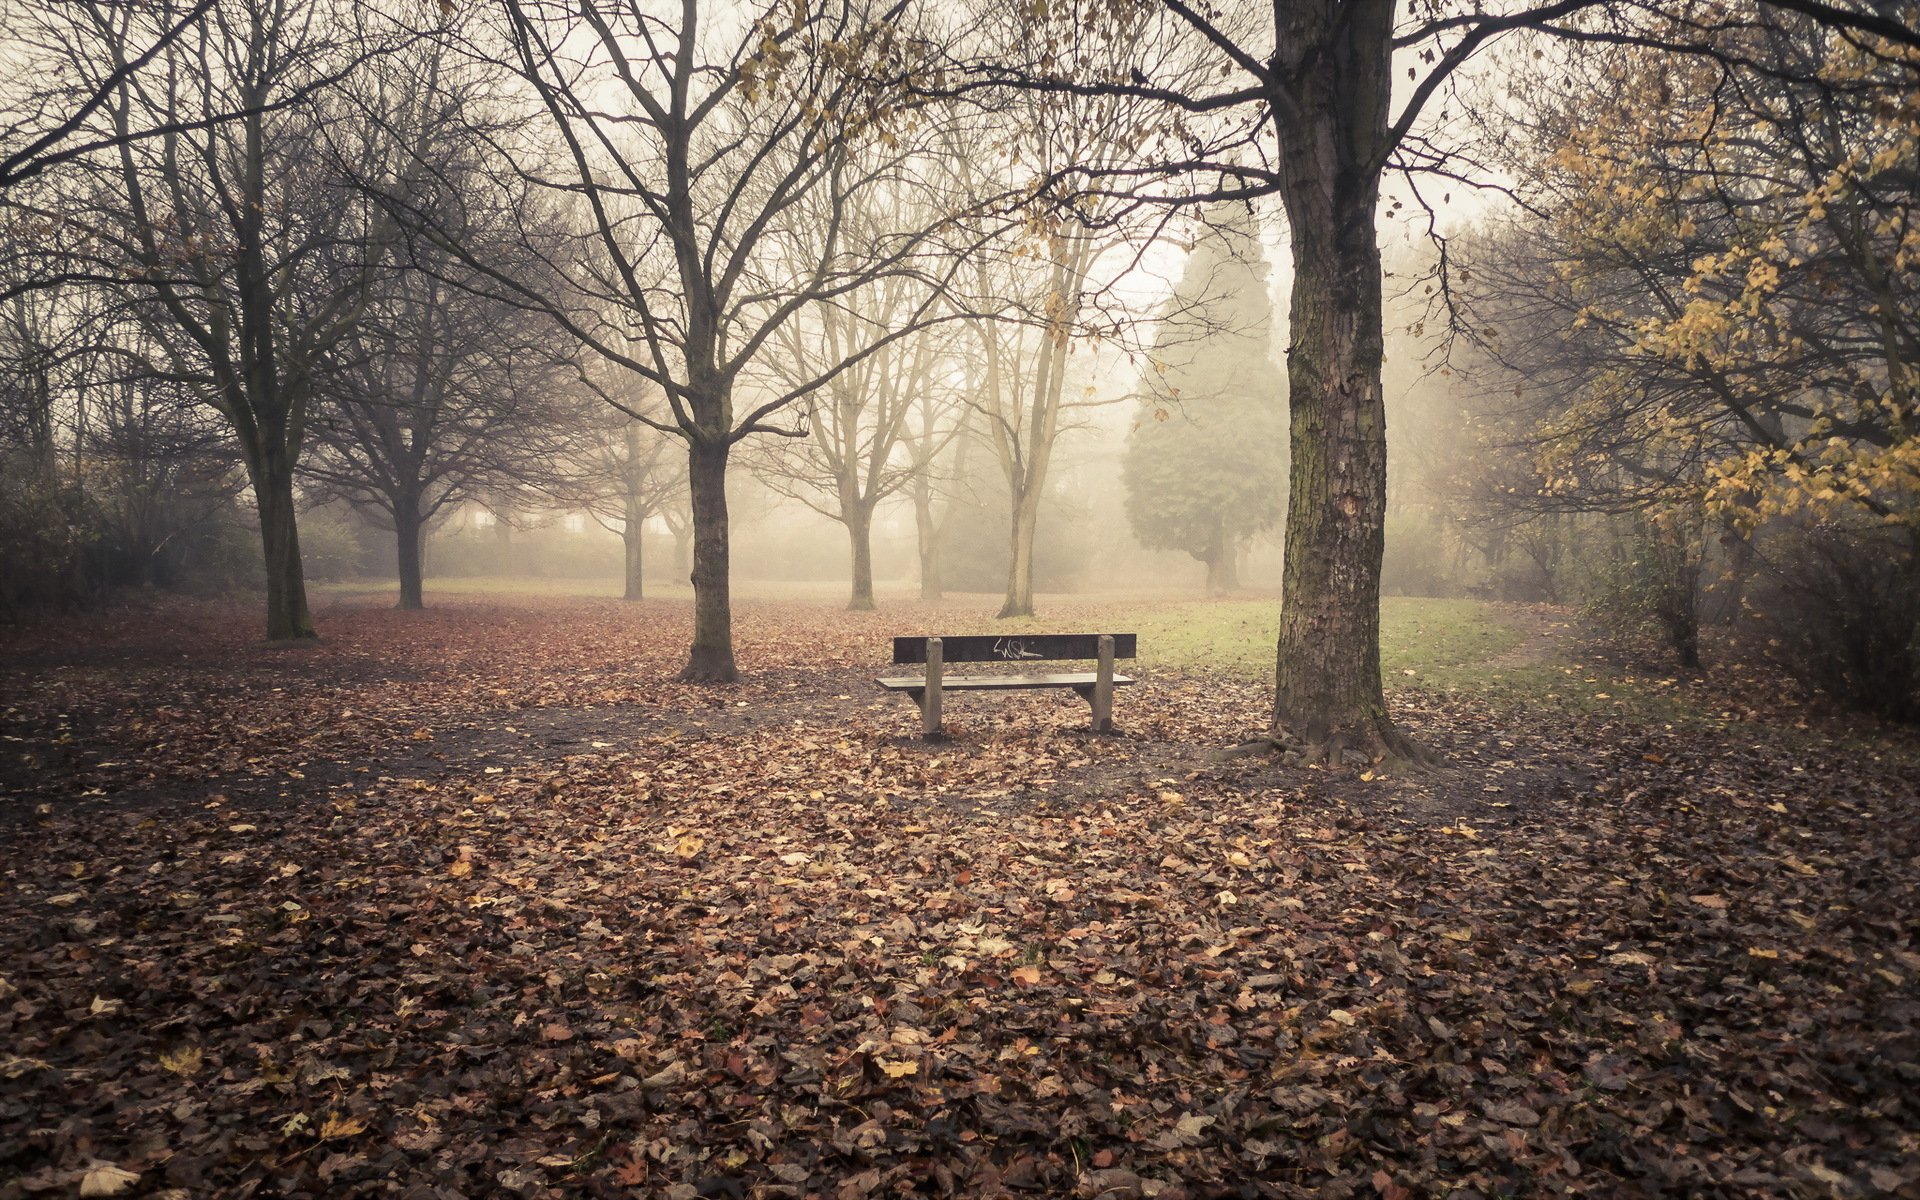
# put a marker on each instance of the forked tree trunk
(710, 659)
(409, 533)
(1025, 523)
(859, 524)
(1333, 91)
(271, 470)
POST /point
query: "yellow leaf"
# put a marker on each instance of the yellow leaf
(337, 1126)
(460, 869)
(1759, 952)
(182, 1061)
(898, 1070)
(1238, 859)
(1458, 935)
(105, 1179)
(689, 847)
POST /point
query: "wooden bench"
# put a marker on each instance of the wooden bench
(936, 652)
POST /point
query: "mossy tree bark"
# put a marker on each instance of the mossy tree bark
(1330, 95)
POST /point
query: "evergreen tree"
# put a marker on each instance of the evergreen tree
(1205, 468)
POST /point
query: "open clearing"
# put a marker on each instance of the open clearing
(477, 901)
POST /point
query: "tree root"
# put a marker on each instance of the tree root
(1383, 745)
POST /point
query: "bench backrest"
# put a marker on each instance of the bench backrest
(1034, 647)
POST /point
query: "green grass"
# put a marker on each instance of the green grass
(1438, 640)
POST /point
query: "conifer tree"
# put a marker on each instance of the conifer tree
(1206, 468)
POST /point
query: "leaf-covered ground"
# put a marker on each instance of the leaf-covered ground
(476, 902)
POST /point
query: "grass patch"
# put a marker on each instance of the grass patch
(1443, 642)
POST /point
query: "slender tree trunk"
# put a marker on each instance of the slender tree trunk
(859, 524)
(636, 567)
(630, 533)
(682, 543)
(710, 659)
(932, 586)
(409, 531)
(1025, 523)
(271, 470)
(1329, 703)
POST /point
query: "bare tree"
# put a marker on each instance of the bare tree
(441, 392)
(247, 261)
(857, 455)
(713, 158)
(1046, 296)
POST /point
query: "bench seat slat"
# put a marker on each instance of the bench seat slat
(996, 683)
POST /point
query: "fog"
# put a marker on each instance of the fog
(943, 301)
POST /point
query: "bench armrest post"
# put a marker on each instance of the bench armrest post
(1103, 688)
(930, 701)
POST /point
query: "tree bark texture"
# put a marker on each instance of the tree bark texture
(710, 658)
(409, 531)
(859, 524)
(271, 469)
(1331, 100)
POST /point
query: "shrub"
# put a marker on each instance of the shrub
(1650, 584)
(1841, 610)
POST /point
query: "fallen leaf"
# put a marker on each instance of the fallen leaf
(106, 1179)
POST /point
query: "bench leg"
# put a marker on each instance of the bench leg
(930, 701)
(1103, 688)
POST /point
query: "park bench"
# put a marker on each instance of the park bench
(1095, 687)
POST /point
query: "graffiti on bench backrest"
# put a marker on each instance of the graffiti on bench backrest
(1012, 648)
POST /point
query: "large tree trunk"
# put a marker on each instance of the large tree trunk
(710, 659)
(1025, 524)
(1222, 575)
(859, 524)
(1333, 91)
(1221, 558)
(632, 521)
(271, 471)
(409, 531)
(932, 586)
